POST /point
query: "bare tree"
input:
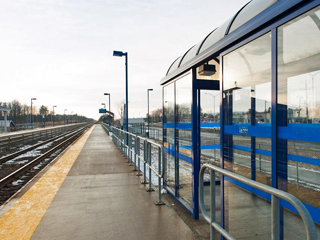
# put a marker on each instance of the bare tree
(120, 108)
(156, 115)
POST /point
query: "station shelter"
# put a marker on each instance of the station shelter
(247, 98)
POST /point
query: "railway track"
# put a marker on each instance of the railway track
(15, 141)
(20, 167)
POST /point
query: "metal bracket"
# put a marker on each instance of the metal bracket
(159, 203)
(150, 190)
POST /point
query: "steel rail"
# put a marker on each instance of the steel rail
(7, 141)
(16, 174)
(276, 194)
(15, 154)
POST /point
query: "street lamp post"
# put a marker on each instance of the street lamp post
(31, 112)
(214, 105)
(109, 107)
(149, 90)
(53, 115)
(120, 54)
(109, 100)
(65, 116)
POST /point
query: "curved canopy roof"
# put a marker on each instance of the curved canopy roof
(250, 16)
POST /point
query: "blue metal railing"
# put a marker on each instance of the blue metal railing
(276, 194)
(130, 145)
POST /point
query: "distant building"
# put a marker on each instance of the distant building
(134, 121)
(5, 124)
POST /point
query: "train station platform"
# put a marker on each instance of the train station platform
(90, 192)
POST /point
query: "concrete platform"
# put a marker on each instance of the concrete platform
(101, 198)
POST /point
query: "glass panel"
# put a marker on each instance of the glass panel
(210, 127)
(168, 138)
(190, 54)
(215, 36)
(299, 110)
(247, 102)
(248, 215)
(246, 138)
(184, 138)
(174, 65)
(250, 11)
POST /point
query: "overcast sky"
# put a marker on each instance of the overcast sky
(60, 51)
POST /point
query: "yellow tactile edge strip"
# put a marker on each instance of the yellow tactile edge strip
(22, 219)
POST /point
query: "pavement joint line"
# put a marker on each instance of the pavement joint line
(22, 219)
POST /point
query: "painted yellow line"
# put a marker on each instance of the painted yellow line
(23, 217)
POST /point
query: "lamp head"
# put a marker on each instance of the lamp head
(33, 99)
(207, 70)
(55, 106)
(106, 93)
(150, 89)
(118, 53)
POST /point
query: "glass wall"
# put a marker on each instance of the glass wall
(210, 127)
(247, 133)
(168, 136)
(178, 178)
(247, 109)
(184, 138)
(299, 109)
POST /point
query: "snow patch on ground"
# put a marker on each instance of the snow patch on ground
(45, 146)
(24, 147)
(18, 182)
(32, 153)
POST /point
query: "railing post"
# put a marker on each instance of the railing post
(118, 139)
(159, 202)
(130, 149)
(149, 189)
(275, 218)
(212, 203)
(138, 152)
(121, 137)
(135, 153)
(126, 143)
(145, 153)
